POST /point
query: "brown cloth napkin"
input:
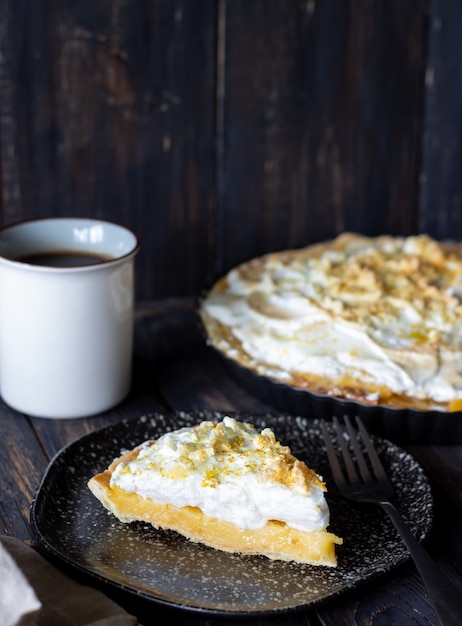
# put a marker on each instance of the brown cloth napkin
(34, 593)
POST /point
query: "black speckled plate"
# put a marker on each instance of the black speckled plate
(72, 527)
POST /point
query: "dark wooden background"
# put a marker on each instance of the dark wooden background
(221, 129)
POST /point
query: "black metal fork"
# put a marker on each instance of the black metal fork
(372, 485)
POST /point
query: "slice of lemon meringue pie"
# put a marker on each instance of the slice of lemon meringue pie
(225, 485)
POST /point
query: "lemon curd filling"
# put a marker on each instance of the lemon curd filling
(373, 319)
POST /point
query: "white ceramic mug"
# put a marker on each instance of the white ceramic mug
(66, 332)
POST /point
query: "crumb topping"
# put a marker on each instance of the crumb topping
(221, 451)
(230, 471)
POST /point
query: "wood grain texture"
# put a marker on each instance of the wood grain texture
(402, 600)
(441, 192)
(222, 129)
(322, 119)
(107, 111)
(22, 465)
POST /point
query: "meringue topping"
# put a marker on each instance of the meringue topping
(231, 472)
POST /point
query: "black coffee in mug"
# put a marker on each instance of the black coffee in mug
(63, 258)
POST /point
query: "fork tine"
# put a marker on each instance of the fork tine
(377, 466)
(337, 471)
(365, 473)
(349, 465)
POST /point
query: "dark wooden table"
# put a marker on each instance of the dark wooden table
(174, 370)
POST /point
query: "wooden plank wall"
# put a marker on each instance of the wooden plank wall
(221, 129)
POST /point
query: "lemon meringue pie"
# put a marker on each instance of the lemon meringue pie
(374, 320)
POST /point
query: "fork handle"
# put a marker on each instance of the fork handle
(444, 595)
